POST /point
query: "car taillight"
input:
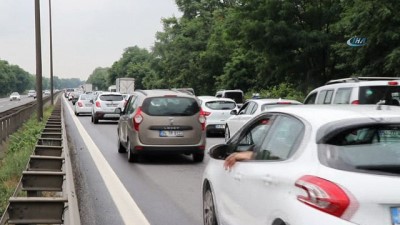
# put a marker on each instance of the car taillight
(137, 119)
(206, 113)
(323, 195)
(202, 119)
(98, 104)
(80, 104)
(355, 102)
(393, 83)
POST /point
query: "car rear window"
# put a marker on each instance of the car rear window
(170, 106)
(111, 97)
(373, 94)
(236, 96)
(372, 149)
(221, 105)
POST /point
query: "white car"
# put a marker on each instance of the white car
(31, 93)
(105, 105)
(15, 96)
(217, 111)
(311, 165)
(250, 109)
(357, 90)
(84, 104)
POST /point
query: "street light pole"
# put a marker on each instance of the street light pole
(51, 57)
(38, 62)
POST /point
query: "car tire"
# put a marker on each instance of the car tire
(209, 214)
(227, 133)
(95, 119)
(121, 148)
(198, 157)
(76, 114)
(132, 157)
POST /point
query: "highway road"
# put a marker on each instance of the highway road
(6, 104)
(159, 190)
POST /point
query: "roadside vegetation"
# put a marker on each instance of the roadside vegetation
(18, 149)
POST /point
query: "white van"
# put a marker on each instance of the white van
(358, 90)
(237, 95)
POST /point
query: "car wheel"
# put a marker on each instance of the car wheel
(209, 214)
(227, 133)
(121, 148)
(95, 119)
(198, 157)
(132, 157)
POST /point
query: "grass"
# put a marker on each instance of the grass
(19, 148)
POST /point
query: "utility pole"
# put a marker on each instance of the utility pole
(51, 58)
(39, 93)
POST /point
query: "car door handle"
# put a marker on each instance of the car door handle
(237, 176)
(267, 180)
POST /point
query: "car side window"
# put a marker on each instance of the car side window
(282, 139)
(325, 97)
(311, 98)
(243, 109)
(342, 96)
(249, 108)
(254, 136)
(130, 108)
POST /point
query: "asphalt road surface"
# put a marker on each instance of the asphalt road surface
(163, 190)
(6, 104)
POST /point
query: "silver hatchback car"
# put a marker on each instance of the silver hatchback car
(105, 105)
(162, 122)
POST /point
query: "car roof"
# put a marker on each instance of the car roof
(164, 92)
(110, 93)
(356, 83)
(331, 113)
(262, 101)
(213, 98)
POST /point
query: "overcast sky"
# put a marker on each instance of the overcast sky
(86, 33)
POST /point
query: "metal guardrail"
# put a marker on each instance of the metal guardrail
(13, 119)
(46, 191)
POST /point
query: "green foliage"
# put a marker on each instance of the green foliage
(13, 78)
(99, 79)
(20, 146)
(283, 90)
(135, 62)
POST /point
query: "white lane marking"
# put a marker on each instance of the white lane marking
(130, 212)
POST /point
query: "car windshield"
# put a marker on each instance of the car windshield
(86, 97)
(111, 97)
(373, 94)
(15, 93)
(220, 105)
(170, 106)
(369, 148)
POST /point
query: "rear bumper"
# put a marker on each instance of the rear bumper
(169, 149)
(214, 128)
(107, 115)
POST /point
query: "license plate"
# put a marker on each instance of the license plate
(171, 133)
(395, 211)
(220, 126)
(88, 105)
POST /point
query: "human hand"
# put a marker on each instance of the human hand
(236, 156)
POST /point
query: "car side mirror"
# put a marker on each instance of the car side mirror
(234, 112)
(218, 151)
